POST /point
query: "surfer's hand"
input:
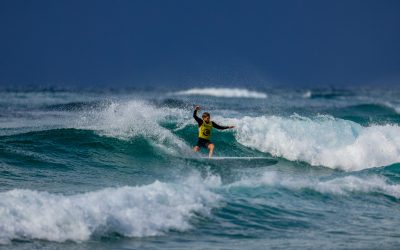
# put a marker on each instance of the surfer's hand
(231, 126)
(197, 108)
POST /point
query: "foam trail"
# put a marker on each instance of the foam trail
(323, 141)
(223, 92)
(130, 211)
(336, 186)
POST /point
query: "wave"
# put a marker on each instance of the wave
(327, 94)
(140, 211)
(125, 120)
(367, 113)
(370, 108)
(223, 92)
(337, 186)
(76, 106)
(322, 141)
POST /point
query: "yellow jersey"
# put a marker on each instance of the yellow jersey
(205, 130)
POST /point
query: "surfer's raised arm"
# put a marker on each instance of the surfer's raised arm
(198, 119)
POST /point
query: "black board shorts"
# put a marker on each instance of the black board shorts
(203, 143)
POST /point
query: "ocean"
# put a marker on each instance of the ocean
(312, 168)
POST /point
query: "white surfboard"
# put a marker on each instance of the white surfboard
(236, 158)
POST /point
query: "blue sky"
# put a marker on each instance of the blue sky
(219, 42)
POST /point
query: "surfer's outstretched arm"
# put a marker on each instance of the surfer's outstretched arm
(221, 127)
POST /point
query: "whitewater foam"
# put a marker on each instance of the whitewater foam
(346, 185)
(140, 211)
(323, 141)
(223, 92)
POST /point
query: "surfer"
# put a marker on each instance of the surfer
(205, 129)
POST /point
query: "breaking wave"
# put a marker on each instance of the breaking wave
(140, 211)
(323, 141)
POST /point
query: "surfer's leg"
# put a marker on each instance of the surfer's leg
(196, 148)
(211, 148)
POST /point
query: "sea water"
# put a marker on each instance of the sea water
(102, 169)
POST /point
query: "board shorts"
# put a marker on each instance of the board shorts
(203, 143)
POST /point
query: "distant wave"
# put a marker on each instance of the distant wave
(370, 108)
(327, 94)
(368, 113)
(223, 92)
(323, 141)
(141, 211)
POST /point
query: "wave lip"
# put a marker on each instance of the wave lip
(223, 92)
(140, 211)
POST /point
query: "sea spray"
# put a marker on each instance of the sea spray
(132, 119)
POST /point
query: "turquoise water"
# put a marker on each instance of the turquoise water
(115, 170)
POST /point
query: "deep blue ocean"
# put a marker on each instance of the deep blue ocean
(315, 168)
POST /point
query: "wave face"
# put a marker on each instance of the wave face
(322, 141)
(223, 92)
(116, 170)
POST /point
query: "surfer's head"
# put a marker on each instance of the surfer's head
(206, 117)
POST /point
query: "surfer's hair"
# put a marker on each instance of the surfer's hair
(205, 114)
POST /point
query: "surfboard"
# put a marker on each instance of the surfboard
(234, 161)
(238, 161)
(236, 158)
